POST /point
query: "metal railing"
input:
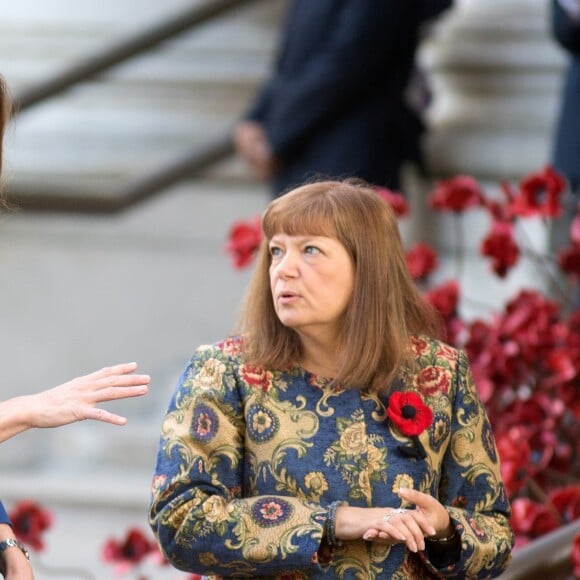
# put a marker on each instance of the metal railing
(54, 198)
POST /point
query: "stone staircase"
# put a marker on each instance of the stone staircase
(150, 284)
(143, 112)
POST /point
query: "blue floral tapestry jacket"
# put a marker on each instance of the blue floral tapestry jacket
(250, 459)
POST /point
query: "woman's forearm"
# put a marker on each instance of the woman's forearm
(14, 417)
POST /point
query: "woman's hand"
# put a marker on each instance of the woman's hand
(429, 518)
(76, 399)
(251, 143)
(73, 401)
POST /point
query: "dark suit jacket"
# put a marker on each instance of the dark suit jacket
(567, 141)
(335, 103)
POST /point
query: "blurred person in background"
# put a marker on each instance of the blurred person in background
(67, 403)
(337, 102)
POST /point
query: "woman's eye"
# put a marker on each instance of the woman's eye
(275, 251)
(311, 250)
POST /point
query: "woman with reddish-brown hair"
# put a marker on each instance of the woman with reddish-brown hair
(334, 436)
(73, 401)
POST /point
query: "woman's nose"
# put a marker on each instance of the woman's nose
(288, 265)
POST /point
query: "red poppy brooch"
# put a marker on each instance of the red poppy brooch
(411, 416)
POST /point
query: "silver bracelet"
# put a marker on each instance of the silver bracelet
(330, 526)
(13, 543)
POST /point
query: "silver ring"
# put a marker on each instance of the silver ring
(387, 517)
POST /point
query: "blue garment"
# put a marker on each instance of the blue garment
(251, 458)
(335, 105)
(4, 519)
(566, 155)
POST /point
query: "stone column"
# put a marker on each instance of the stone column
(495, 73)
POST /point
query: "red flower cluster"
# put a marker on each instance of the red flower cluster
(525, 359)
(244, 240)
(30, 521)
(538, 195)
(532, 519)
(131, 551)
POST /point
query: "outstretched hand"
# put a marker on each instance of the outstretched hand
(76, 400)
(251, 143)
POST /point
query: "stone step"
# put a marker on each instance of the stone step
(237, 46)
(141, 114)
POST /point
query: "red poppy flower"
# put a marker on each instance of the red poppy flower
(243, 241)
(576, 556)
(539, 194)
(456, 194)
(444, 298)
(499, 245)
(421, 261)
(395, 199)
(29, 521)
(129, 551)
(569, 260)
(408, 412)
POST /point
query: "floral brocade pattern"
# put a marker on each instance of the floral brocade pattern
(250, 459)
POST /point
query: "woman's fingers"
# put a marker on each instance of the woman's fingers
(97, 414)
(409, 526)
(435, 516)
(401, 525)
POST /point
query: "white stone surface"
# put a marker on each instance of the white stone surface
(496, 74)
(149, 285)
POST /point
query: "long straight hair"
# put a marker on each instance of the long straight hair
(385, 308)
(5, 110)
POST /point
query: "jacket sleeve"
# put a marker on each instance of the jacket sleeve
(472, 489)
(198, 512)
(368, 43)
(565, 29)
(4, 519)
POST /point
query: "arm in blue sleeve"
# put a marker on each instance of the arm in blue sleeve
(369, 42)
(472, 489)
(198, 512)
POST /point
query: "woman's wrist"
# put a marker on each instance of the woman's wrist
(15, 417)
(444, 535)
(14, 558)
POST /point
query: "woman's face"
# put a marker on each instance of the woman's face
(312, 280)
